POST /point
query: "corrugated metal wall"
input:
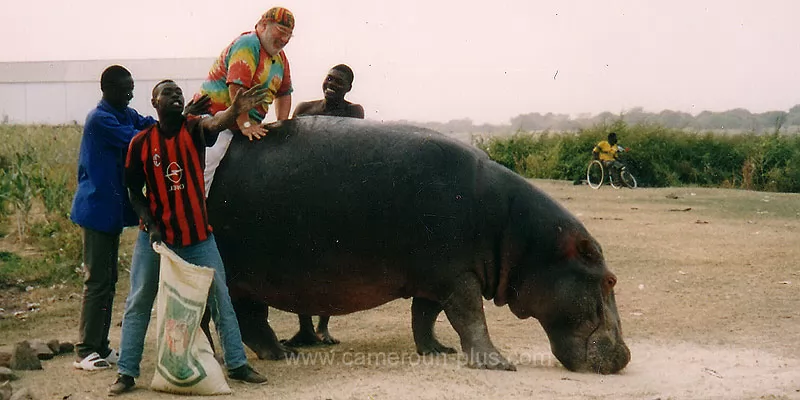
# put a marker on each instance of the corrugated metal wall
(63, 92)
(68, 102)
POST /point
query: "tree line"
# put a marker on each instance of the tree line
(731, 121)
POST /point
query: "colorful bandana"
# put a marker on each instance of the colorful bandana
(279, 15)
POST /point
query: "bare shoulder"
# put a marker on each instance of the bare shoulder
(308, 108)
(356, 111)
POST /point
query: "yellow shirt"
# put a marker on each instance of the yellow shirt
(607, 151)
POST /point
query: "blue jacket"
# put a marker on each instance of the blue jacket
(101, 202)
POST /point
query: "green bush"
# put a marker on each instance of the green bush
(658, 156)
(37, 183)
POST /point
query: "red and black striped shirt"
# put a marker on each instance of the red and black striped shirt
(172, 168)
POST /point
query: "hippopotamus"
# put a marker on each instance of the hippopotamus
(329, 216)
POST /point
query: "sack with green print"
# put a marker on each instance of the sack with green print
(185, 363)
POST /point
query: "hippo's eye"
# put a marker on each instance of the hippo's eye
(590, 251)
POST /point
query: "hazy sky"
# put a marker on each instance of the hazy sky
(440, 60)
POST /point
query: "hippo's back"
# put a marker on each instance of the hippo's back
(331, 200)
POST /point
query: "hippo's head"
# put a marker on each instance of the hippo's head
(571, 292)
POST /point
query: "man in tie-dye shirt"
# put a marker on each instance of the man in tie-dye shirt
(254, 58)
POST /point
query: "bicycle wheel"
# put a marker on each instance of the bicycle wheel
(627, 178)
(615, 183)
(595, 174)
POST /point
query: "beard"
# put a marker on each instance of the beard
(272, 44)
(273, 47)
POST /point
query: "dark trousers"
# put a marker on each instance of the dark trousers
(613, 167)
(100, 250)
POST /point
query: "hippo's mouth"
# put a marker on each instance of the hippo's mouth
(598, 353)
(599, 349)
(605, 354)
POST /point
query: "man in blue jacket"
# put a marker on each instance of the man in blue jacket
(102, 208)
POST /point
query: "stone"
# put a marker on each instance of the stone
(42, 350)
(5, 390)
(6, 374)
(23, 358)
(65, 347)
(5, 359)
(54, 346)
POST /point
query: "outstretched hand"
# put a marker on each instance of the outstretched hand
(255, 131)
(198, 106)
(246, 100)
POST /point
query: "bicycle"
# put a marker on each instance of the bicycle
(596, 174)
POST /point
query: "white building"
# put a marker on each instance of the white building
(61, 92)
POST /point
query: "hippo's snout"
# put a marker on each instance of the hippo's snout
(608, 357)
(601, 354)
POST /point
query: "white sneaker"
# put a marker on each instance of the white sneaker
(92, 362)
(112, 357)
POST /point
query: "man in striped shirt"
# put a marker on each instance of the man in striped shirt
(167, 160)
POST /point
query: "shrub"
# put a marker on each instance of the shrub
(659, 156)
(37, 183)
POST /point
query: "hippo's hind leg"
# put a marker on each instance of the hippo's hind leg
(322, 330)
(423, 318)
(464, 309)
(256, 332)
(306, 336)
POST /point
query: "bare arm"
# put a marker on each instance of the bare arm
(135, 183)
(282, 106)
(301, 109)
(242, 100)
(139, 203)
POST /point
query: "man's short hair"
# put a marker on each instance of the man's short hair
(612, 135)
(346, 70)
(111, 75)
(159, 84)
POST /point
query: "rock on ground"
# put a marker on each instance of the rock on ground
(65, 347)
(5, 390)
(23, 357)
(41, 349)
(54, 346)
(6, 374)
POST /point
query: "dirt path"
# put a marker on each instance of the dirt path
(709, 293)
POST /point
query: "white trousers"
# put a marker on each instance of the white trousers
(214, 155)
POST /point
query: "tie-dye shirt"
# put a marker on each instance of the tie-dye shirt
(246, 63)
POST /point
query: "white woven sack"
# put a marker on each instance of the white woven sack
(185, 363)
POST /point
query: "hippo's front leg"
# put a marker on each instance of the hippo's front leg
(464, 309)
(256, 332)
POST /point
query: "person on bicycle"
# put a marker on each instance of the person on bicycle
(606, 151)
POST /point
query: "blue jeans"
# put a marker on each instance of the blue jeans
(144, 287)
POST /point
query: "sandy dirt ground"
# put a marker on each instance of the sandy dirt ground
(708, 293)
